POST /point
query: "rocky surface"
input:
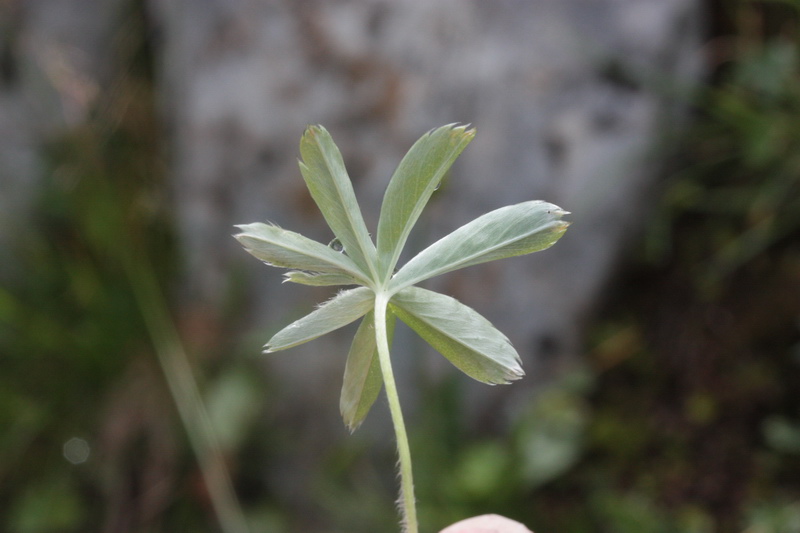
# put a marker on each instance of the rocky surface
(571, 101)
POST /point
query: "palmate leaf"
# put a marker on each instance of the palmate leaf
(462, 335)
(347, 306)
(327, 181)
(506, 232)
(282, 248)
(362, 373)
(413, 183)
(459, 333)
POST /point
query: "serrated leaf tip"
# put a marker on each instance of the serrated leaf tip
(353, 427)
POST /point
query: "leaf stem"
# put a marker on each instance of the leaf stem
(406, 502)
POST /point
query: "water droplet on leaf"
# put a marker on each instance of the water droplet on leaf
(336, 245)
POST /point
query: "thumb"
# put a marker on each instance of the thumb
(488, 523)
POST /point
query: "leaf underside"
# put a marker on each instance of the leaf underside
(319, 279)
(344, 308)
(287, 249)
(362, 374)
(330, 187)
(467, 339)
(417, 176)
(506, 232)
(461, 334)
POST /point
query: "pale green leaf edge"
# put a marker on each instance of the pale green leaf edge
(319, 279)
(509, 231)
(459, 333)
(330, 186)
(288, 249)
(346, 307)
(363, 380)
(417, 176)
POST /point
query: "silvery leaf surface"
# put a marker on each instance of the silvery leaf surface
(362, 373)
(416, 178)
(459, 333)
(287, 249)
(327, 180)
(319, 279)
(342, 309)
(506, 232)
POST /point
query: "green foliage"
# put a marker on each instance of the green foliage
(362, 374)
(82, 283)
(506, 232)
(468, 340)
(459, 333)
(69, 323)
(419, 174)
(281, 248)
(740, 181)
(53, 505)
(774, 517)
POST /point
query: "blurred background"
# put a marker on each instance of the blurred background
(661, 335)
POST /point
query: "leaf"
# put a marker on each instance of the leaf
(506, 232)
(318, 279)
(413, 183)
(362, 373)
(459, 333)
(327, 180)
(345, 307)
(282, 248)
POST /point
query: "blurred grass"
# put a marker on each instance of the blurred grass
(82, 315)
(740, 181)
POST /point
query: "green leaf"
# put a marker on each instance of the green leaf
(327, 180)
(459, 333)
(282, 248)
(362, 373)
(413, 183)
(345, 307)
(318, 279)
(506, 232)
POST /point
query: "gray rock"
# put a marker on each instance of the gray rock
(571, 100)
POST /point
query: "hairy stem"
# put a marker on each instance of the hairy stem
(406, 502)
